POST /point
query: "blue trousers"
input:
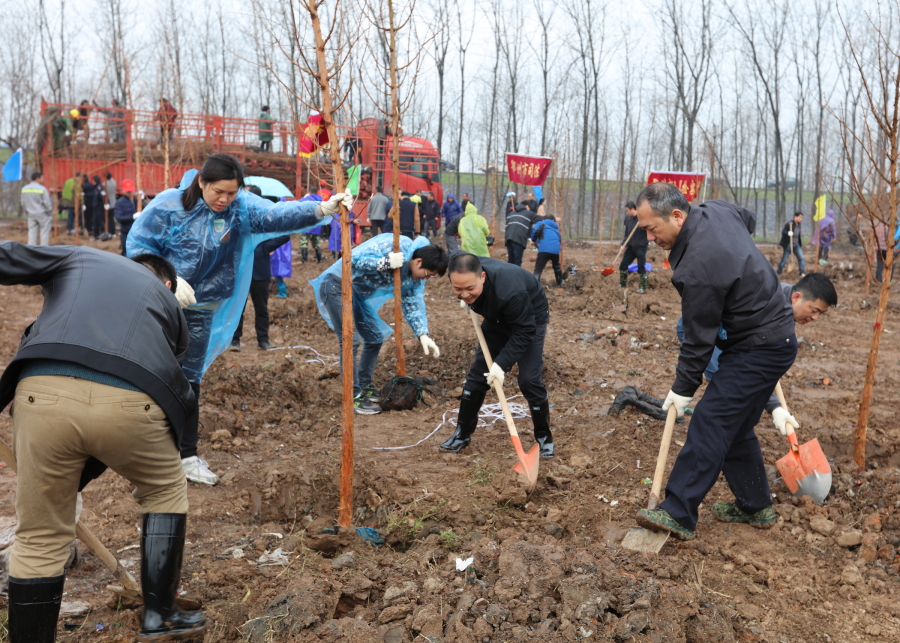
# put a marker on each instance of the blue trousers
(721, 437)
(787, 253)
(365, 333)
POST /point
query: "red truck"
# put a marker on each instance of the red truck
(137, 145)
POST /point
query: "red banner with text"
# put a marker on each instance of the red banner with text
(528, 170)
(689, 183)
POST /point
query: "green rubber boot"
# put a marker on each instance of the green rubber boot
(643, 286)
(623, 278)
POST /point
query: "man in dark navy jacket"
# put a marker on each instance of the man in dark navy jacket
(730, 298)
(516, 315)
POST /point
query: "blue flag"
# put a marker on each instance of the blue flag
(538, 193)
(12, 169)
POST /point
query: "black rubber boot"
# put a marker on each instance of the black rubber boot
(34, 608)
(162, 546)
(304, 255)
(540, 417)
(318, 256)
(643, 287)
(623, 278)
(466, 421)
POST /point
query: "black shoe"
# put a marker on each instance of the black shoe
(235, 345)
(365, 406)
(264, 346)
(162, 547)
(34, 608)
(466, 421)
(304, 255)
(318, 256)
(540, 417)
(372, 394)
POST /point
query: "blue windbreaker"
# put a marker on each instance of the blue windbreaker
(550, 241)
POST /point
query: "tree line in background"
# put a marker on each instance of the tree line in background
(756, 93)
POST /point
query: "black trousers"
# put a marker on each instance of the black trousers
(265, 146)
(721, 437)
(377, 226)
(634, 253)
(259, 294)
(124, 229)
(531, 364)
(541, 262)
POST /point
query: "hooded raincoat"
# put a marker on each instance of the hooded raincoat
(827, 229)
(373, 285)
(450, 208)
(474, 230)
(213, 252)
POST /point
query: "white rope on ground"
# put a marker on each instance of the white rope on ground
(320, 358)
(489, 414)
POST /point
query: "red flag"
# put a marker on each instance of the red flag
(687, 182)
(528, 170)
(313, 135)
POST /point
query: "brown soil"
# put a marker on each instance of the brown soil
(547, 567)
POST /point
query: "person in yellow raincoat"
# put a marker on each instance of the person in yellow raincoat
(474, 231)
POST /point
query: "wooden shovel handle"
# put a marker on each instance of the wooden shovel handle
(85, 535)
(510, 424)
(780, 394)
(656, 489)
(619, 254)
(795, 447)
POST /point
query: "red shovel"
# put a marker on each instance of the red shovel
(606, 272)
(528, 462)
(805, 468)
(666, 263)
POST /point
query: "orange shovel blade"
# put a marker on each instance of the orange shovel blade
(666, 264)
(528, 462)
(805, 469)
(606, 272)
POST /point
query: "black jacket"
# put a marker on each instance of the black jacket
(91, 195)
(519, 223)
(107, 313)
(430, 209)
(451, 228)
(262, 263)
(724, 280)
(790, 225)
(513, 301)
(407, 215)
(639, 240)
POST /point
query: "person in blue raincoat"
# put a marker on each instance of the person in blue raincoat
(373, 263)
(280, 263)
(208, 228)
(545, 235)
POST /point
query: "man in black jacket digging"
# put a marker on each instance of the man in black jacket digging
(516, 315)
(518, 232)
(730, 299)
(96, 385)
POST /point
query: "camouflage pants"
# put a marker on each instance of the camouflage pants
(306, 238)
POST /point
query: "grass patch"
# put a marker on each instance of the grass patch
(482, 475)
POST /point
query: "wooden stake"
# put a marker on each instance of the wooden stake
(395, 185)
(345, 507)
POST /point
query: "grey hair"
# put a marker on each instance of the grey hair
(663, 198)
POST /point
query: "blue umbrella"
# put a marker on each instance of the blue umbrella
(269, 187)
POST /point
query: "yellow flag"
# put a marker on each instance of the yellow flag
(820, 208)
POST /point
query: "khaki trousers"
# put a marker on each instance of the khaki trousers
(58, 422)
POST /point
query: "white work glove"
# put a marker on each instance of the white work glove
(106, 206)
(184, 293)
(429, 345)
(680, 402)
(463, 304)
(790, 233)
(784, 421)
(79, 505)
(332, 206)
(495, 374)
(396, 261)
(135, 216)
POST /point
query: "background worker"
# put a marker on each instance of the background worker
(516, 315)
(473, 232)
(546, 236)
(312, 237)
(107, 390)
(378, 210)
(451, 231)
(519, 222)
(790, 237)
(208, 228)
(67, 201)
(635, 248)
(266, 134)
(38, 206)
(409, 218)
(125, 212)
(373, 263)
(431, 215)
(730, 298)
(827, 234)
(451, 208)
